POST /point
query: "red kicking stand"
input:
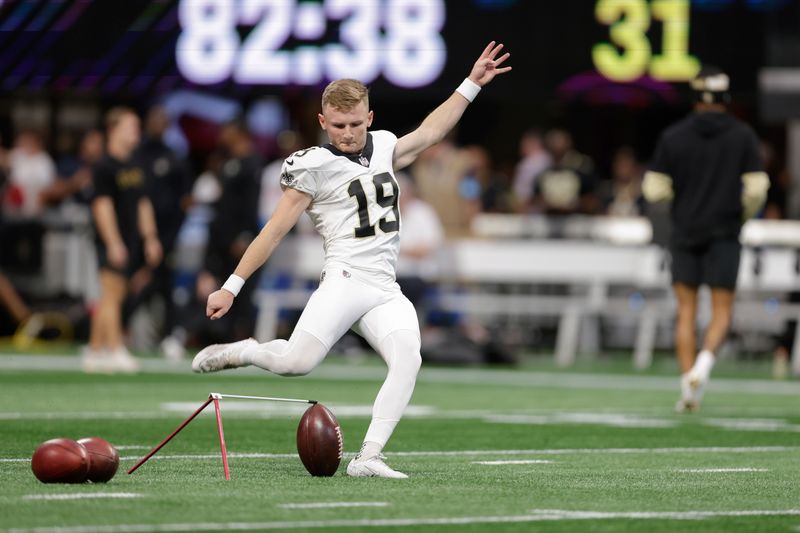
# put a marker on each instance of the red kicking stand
(223, 450)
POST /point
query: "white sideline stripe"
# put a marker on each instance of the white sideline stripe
(331, 505)
(503, 378)
(603, 419)
(468, 453)
(721, 470)
(536, 515)
(82, 496)
(520, 462)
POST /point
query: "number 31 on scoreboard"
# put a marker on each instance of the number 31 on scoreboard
(629, 21)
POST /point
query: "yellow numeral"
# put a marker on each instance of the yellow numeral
(629, 21)
(675, 63)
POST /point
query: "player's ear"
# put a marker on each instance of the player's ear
(321, 119)
(369, 118)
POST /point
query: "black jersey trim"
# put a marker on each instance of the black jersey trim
(366, 153)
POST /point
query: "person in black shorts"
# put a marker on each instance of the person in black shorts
(708, 165)
(126, 239)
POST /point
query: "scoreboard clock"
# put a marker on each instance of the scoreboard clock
(398, 39)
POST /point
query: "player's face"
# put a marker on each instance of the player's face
(347, 130)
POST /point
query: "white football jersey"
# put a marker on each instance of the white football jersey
(354, 201)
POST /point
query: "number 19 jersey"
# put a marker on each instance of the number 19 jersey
(354, 202)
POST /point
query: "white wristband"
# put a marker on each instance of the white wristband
(234, 284)
(468, 89)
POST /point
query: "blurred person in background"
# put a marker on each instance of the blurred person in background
(490, 186)
(10, 300)
(439, 173)
(234, 225)
(535, 160)
(75, 172)
(708, 166)
(423, 237)
(128, 248)
(30, 172)
(288, 142)
(190, 247)
(776, 209)
(567, 186)
(169, 186)
(623, 194)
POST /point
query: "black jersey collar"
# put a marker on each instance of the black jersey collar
(362, 158)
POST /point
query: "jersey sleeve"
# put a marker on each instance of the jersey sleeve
(296, 175)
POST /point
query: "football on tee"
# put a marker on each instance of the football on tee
(103, 459)
(319, 441)
(60, 461)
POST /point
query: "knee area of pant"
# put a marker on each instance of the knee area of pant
(410, 361)
(293, 368)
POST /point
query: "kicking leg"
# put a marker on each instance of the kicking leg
(296, 357)
(332, 309)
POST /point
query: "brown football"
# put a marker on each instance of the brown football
(103, 459)
(60, 461)
(319, 441)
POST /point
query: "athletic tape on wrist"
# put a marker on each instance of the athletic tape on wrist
(234, 284)
(468, 89)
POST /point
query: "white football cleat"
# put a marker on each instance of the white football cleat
(686, 406)
(109, 362)
(691, 396)
(96, 361)
(372, 467)
(221, 356)
(124, 362)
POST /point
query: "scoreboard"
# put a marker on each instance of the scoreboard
(254, 47)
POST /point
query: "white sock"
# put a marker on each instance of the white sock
(686, 389)
(400, 350)
(703, 364)
(369, 450)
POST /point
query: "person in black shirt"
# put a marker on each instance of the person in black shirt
(708, 164)
(169, 185)
(234, 226)
(126, 240)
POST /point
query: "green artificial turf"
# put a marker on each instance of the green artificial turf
(603, 443)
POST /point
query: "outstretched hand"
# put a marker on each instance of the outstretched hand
(219, 302)
(488, 64)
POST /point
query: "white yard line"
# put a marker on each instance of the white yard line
(721, 470)
(331, 505)
(520, 462)
(83, 496)
(478, 453)
(502, 378)
(536, 515)
(578, 451)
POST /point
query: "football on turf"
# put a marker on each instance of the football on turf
(103, 459)
(60, 461)
(319, 441)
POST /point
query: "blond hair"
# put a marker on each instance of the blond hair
(115, 115)
(344, 95)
